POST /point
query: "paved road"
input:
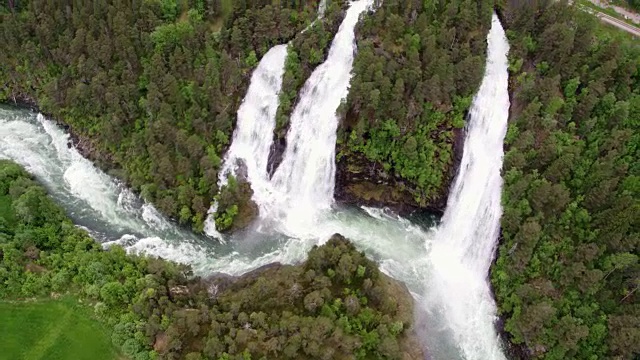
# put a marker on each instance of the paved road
(635, 31)
(619, 24)
(633, 16)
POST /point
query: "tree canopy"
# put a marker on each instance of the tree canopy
(335, 305)
(567, 272)
(152, 87)
(418, 65)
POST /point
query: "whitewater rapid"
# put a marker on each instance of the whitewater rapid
(95, 201)
(112, 214)
(445, 267)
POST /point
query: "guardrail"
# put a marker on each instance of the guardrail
(635, 31)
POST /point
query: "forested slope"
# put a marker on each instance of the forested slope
(335, 305)
(567, 272)
(308, 50)
(418, 65)
(150, 87)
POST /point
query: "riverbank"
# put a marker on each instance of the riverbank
(336, 299)
(83, 144)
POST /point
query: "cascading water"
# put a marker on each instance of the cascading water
(303, 184)
(253, 136)
(448, 276)
(322, 8)
(95, 201)
(465, 243)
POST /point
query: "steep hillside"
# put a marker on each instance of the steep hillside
(150, 88)
(567, 272)
(419, 63)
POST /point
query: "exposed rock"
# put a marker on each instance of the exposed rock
(276, 154)
(179, 290)
(362, 182)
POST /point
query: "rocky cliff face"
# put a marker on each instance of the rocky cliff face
(360, 181)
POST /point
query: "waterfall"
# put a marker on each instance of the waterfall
(446, 269)
(256, 121)
(322, 8)
(303, 184)
(466, 239)
(253, 136)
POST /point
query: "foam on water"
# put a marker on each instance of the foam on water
(93, 199)
(185, 252)
(445, 268)
(466, 240)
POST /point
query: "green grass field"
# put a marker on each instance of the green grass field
(52, 330)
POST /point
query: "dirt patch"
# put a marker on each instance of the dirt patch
(162, 343)
(35, 268)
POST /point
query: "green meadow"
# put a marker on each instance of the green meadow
(52, 330)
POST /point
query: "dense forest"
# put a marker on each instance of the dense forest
(418, 65)
(567, 274)
(150, 87)
(334, 305)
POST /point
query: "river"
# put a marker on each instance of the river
(445, 265)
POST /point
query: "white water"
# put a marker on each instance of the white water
(253, 136)
(252, 141)
(447, 275)
(303, 184)
(322, 8)
(454, 290)
(466, 239)
(95, 201)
